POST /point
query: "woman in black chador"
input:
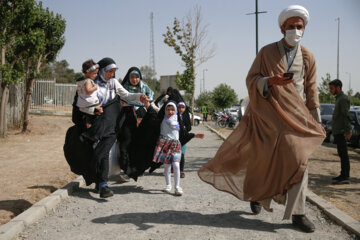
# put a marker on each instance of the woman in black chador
(90, 157)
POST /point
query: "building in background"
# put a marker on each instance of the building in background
(167, 81)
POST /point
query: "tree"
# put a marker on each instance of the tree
(16, 21)
(49, 40)
(60, 71)
(224, 96)
(324, 91)
(189, 42)
(205, 97)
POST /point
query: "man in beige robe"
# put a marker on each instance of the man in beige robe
(265, 158)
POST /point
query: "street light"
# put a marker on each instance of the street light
(204, 79)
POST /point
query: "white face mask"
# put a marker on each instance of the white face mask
(293, 36)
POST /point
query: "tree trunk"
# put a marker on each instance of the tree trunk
(29, 85)
(3, 105)
(192, 108)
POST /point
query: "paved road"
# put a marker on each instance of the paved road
(139, 210)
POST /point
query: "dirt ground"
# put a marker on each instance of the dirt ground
(325, 164)
(32, 166)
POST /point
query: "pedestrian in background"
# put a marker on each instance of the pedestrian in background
(341, 128)
(204, 110)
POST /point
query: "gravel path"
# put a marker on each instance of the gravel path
(140, 210)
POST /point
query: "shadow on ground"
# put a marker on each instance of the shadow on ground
(232, 219)
(45, 187)
(15, 206)
(322, 186)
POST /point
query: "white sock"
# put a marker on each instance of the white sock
(167, 174)
(176, 167)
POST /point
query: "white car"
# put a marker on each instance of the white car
(197, 119)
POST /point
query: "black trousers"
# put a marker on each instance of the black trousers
(205, 117)
(182, 162)
(343, 154)
(101, 158)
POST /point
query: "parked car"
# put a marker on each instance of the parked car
(326, 112)
(233, 111)
(197, 119)
(355, 132)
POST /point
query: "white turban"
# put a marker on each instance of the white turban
(294, 11)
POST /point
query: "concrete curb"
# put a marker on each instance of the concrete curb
(11, 229)
(331, 211)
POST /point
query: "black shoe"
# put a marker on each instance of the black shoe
(302, 222)
(336, 178)
(255, 207)
(341, 180)
(106, 192)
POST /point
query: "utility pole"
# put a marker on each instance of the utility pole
(152, 50)
(204, 79)
(338, 44)
(256, 24)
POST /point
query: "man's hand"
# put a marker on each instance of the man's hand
(347, 136)
(279, 79)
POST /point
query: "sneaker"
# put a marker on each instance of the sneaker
(106, 192)
(341, 180)
(167, 189)
(255, 207)
(178, 191)
(182, 174)
(302, 222)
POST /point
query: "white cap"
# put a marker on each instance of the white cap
(294, 11)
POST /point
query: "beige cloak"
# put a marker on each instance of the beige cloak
(268, 152)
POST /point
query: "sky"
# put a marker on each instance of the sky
(120, 29)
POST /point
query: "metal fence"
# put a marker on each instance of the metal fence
(50, 97)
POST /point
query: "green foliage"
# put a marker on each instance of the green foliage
(181, 40)
(16, 21)
(205, 97)
(224, 96)
(324, 91)
(60, 71)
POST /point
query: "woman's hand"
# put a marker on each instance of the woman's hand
(199, 135)
(279, 79)
(99, 110)
(143, 98)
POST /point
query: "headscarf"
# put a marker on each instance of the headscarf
(293, 11)
(181, 104)
(105, 87)
(105, 65)
(173, 120)
(140, 87)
